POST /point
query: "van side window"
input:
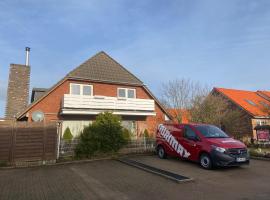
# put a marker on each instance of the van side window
(189, 133)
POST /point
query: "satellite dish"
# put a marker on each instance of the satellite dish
(37, 116)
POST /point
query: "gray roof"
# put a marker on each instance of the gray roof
(101, 67)
(37, 93)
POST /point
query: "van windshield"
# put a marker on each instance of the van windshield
(210, 131)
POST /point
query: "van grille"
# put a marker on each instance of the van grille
(237, 151)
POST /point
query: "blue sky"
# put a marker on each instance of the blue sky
(219, 43)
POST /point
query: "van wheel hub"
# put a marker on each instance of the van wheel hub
(205, 161)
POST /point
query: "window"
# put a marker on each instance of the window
(189, 133)
(81, 89)
(267, 106)
(75, 89)
(131, 93)
(250, 102)
(210, 131)
(87, 90)
(121, 92)
(126, 93)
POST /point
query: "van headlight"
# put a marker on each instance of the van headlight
(219, 149)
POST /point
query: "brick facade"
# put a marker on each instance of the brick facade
(18, 89)
(51, 104)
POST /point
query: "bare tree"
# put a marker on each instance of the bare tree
(216, 110)
(186, 96)
(179, 95)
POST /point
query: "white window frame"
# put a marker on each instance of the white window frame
(126, 93)
(81, 89)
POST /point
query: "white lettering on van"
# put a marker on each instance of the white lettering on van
(165, 133)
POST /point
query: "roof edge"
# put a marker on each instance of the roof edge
(158, 102)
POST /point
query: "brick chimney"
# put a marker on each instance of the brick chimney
(18, 88)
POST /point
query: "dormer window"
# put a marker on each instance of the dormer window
(251, 102)
(81, 89)
(126, 93)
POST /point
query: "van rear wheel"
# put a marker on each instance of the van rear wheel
(161, 152)
(205, 161)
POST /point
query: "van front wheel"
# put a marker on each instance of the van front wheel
(205, 161)
(161, 152)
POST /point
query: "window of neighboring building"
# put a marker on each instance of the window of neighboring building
(126, 93)
(265, 104)
(81, 89)
(250, 102)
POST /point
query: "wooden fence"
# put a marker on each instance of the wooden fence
(24, 142)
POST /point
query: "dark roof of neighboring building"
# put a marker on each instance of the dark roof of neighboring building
(37, 93)
(101, 67)
(250, 101)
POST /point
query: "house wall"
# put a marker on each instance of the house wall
(51, 104)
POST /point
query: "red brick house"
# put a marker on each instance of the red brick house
(255, 106)
(97, 85)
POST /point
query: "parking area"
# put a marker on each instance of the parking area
(110, 179)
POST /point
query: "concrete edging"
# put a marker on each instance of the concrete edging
(260, 158)
(156, 173)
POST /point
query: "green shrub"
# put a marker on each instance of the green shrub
(67, 135)
(126, 134)
(146, 133)
(3, 163)
(102, 136)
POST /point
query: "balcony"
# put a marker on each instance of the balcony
(78, 104)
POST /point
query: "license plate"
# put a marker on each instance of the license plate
(240, 159)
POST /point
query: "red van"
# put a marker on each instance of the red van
(202, 143)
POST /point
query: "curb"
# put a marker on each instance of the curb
(114, 157)
(259, 158)
(58, 163)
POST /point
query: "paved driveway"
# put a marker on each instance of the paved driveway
(111, 179)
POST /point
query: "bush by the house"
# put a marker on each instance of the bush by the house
(146, 133)
(67, 135)
(102, 136)
(126, 134)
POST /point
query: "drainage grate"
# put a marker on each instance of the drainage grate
(154, 170)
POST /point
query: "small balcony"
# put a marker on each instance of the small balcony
(79, 104)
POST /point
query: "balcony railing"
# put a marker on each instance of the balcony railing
(107, 103)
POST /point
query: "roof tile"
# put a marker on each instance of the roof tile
(248, 100)
(101, 67)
